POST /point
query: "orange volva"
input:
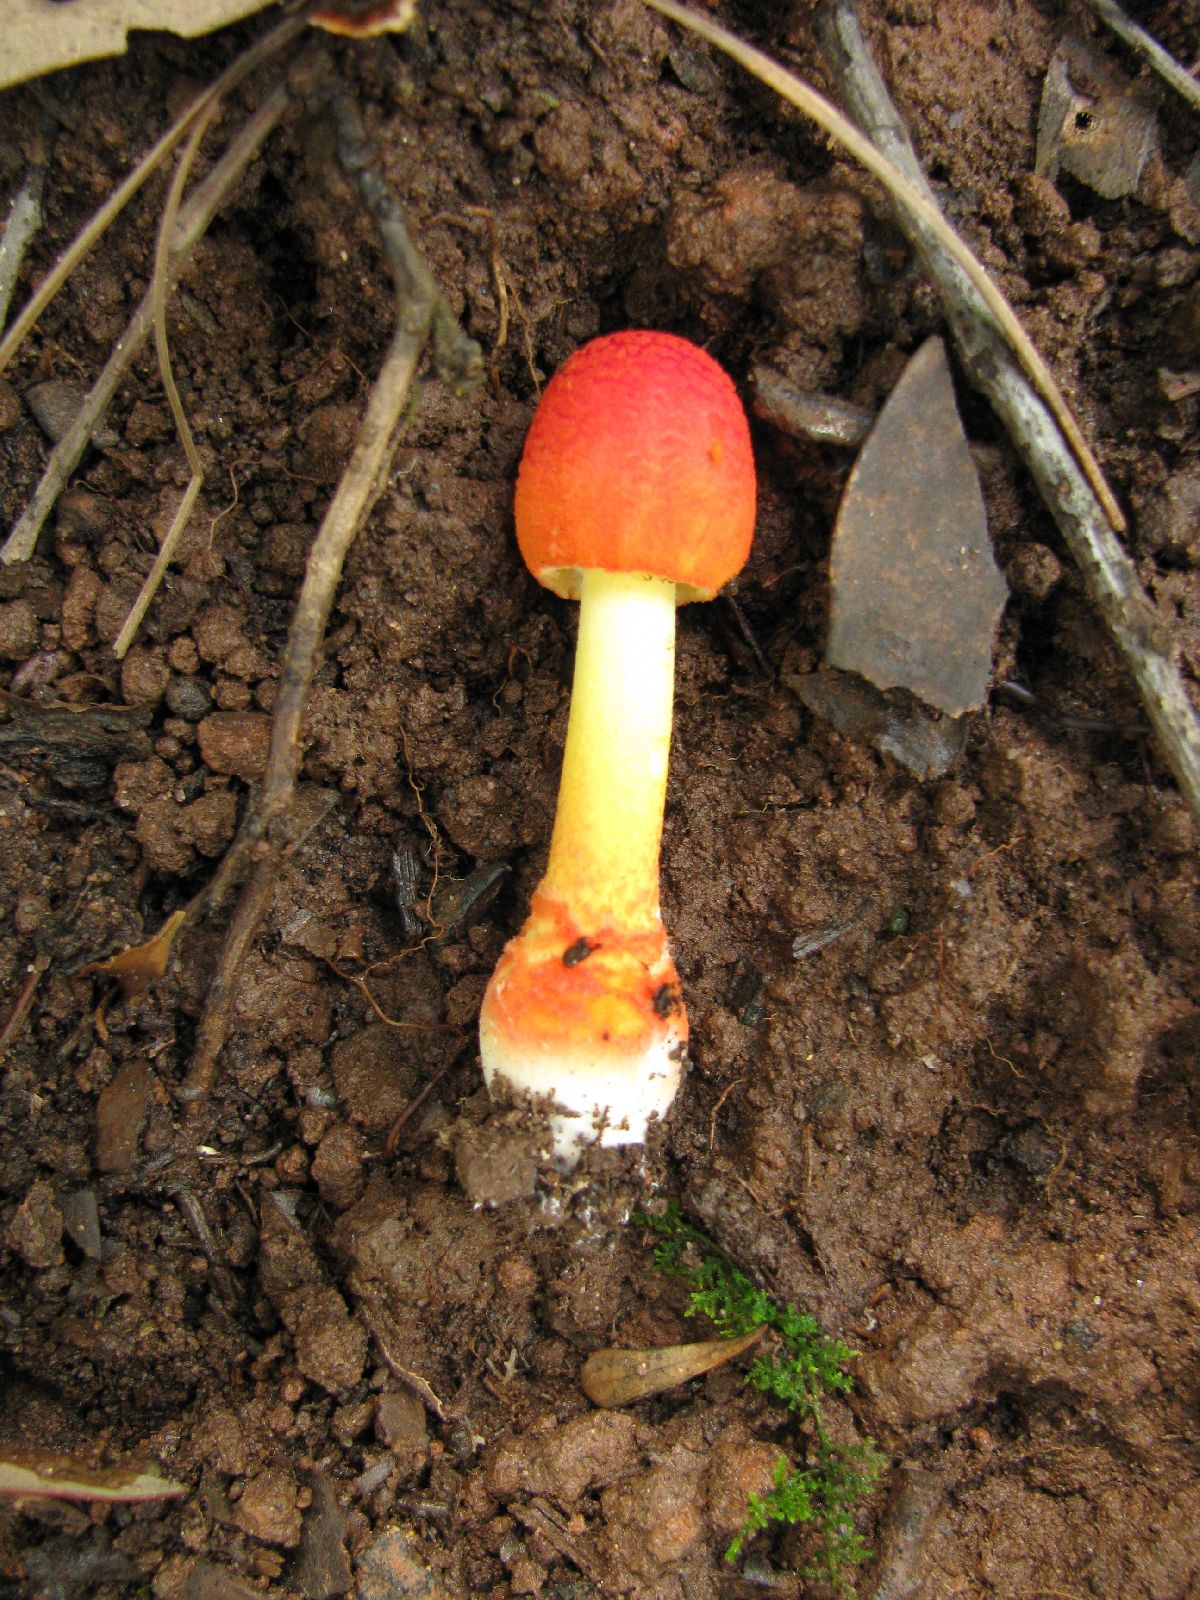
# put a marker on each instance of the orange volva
(636, 492)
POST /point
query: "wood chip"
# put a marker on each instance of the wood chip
(916, 595)
(48, 1473)
(1092, 123)
(618, 1377)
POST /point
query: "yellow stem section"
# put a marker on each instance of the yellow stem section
(608, 827)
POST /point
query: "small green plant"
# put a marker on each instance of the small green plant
(805, 1366)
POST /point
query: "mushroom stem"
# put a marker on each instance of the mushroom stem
(608, 826)
(584, 1008)
(635, 492)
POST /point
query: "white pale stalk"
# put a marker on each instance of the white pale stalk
(583, 1009)
(608, 827)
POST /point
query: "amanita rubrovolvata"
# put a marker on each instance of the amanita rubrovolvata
(636, 492)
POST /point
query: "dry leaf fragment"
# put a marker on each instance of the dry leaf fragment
(617, 1377)
(144, 964)
(62, 1477)
(365, 19)
(1092, 123)
(44, 35)
(916, 593)
(894, 724)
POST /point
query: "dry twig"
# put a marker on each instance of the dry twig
(194, 218)
(372, 1314)
(24, 1002)
(421, 313)
(1109, 575)
(1138, 39)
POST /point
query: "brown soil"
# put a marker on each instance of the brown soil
(964, 1134)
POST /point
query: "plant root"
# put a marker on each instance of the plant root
(421, 316)
(159, 289)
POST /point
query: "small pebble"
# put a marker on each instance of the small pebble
(30, 912)
(80, 515)
(144, 676)
(268, 1509)
(55, 404)
(338, 1166)
(236, 742)
(331, 1345)
(392, 1566)
(189, 698)
(35, 1232)
(81, 1218)
(183, 655)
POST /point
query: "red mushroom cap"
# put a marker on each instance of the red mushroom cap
(638, 460)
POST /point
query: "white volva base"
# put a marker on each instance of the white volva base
(592, 1096)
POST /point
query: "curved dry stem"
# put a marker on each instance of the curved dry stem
(125, 191)
(160, 287)
(826, 115)
(193, 219)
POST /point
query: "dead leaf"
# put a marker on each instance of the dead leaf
(44, 35)
(63, 1477)
(618, 1377)
(916, 593)
(144, 964)
(365, 19)
(1092, 123)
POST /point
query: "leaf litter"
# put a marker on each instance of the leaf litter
(916, 593)
(1093, 124)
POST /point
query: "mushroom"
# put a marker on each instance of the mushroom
(635, 493)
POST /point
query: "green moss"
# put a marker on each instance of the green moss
(804, 1366)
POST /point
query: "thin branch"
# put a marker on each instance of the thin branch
(421, 314)
(1109, 575)
(1138, 39)
(218, 1002)
(24, 1002)
(194, 218)
(125, 191)
(160, 286)
(916, 199)
(357, 491)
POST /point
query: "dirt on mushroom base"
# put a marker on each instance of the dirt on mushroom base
(970, 1146)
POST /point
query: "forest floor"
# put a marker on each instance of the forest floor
(963, 1134)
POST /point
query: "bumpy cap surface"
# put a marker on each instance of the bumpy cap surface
(638, 460)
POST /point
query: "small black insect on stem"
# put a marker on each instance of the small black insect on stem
(666, 999)
(577, 952)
